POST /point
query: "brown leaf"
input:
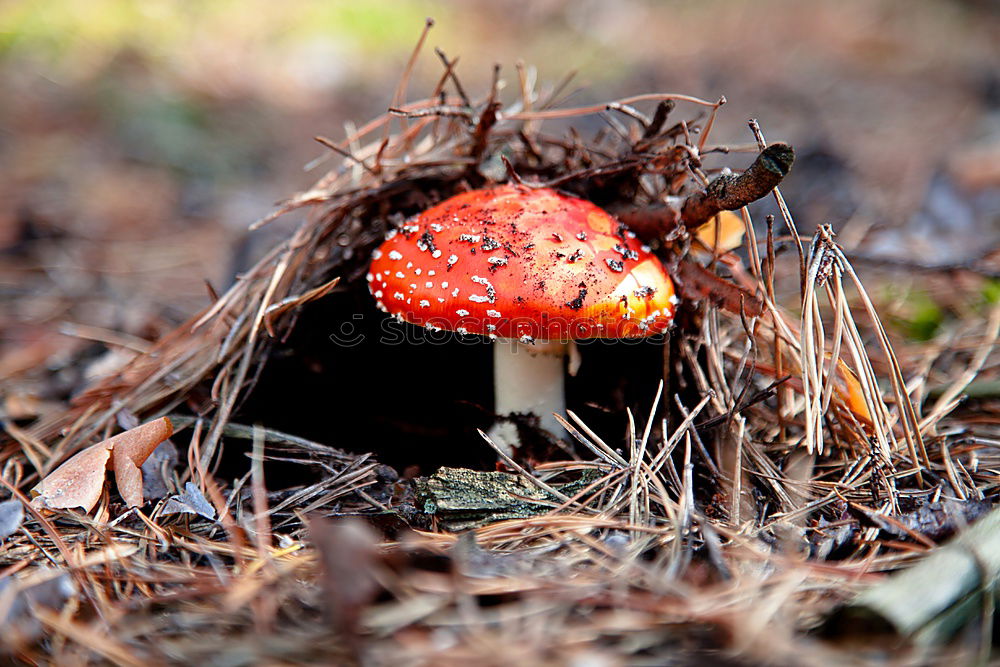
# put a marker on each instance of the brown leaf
(131, 449)
(76, 483)
(79, 481)
(847, 388)
(696, 283)
(729, 229)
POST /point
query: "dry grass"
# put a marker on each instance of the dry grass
(705, 538)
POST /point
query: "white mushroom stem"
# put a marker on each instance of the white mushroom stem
(528, 378)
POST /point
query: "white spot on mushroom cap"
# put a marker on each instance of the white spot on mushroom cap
(378, 294)
(377, 254)
(493, 313)
(432, 272)
(455, 293)
(399, 274)
(395, 255)
(436, 254)
(428, 284)
(462, 312)
(424, 303)
(409, 265)
(399, 295)
(436, 227)
(452, 260)
(491, 294)
(444, 284)
(369, 277)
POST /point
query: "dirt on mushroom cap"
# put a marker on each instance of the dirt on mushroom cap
(517, 262)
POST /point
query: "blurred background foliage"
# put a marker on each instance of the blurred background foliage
(139, 138)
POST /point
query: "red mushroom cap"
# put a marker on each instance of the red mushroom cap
(517, 262)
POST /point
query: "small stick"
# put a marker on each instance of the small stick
(785, 213)
(708, 126)
(631, 112)
(524, 473)
(449, 67)
(399, 96)
(343, 152)
(783, 397)
(654, 126)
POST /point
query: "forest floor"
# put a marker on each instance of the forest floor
(288, 522)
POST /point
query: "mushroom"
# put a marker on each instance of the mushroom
(530, 268)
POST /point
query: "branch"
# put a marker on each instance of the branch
(729, 192)
(726, 193)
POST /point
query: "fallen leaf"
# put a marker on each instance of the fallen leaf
(696, 283)
(156, 471)
(129, 450)
(11, 516)
(79, 481)
(192, 501)
(76, 483)
(730, 234)
(847, 389)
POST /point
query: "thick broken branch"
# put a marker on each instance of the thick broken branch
(726, 193)
(729, 192)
